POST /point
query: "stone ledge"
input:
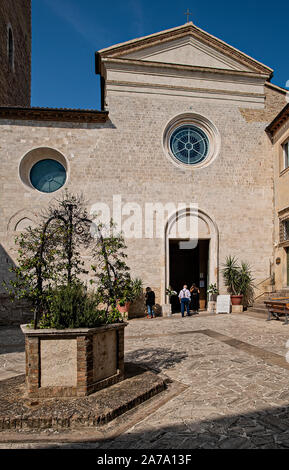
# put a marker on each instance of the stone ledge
(26, 330)
(17, 411)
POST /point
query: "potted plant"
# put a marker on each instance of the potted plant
(231, 276)
(167, 308)
(213, 291)
(75, 345)
(246, 284)
(238, 280)
(131, 292)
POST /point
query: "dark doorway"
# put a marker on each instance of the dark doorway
(187, 266)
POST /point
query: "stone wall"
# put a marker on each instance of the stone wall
(125, 156)
(14, 313)
(274, 102)
(15, 82)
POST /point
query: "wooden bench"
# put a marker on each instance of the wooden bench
(277, 307)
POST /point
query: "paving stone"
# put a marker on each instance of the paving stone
(234, 398)
(235, 443)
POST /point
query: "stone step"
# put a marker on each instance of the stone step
(257, 313)
(259, 310)
(259, 305)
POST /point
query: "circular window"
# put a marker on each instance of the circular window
(48, 176)
(189, 144)
(44, 169)
(191, 141)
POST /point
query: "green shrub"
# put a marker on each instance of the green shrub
(73, 306)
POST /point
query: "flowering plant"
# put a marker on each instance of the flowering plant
(170, 292)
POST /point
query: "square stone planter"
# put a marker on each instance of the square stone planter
(73, 362)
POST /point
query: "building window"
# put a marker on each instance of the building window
(189, 144)
(191, 140)
(284, 232)
(286, 154)
(48, 176)
(10, 49)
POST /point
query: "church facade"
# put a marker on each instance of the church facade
(182, 137)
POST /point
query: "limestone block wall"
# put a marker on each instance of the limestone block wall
(125, 156)
(14, 313)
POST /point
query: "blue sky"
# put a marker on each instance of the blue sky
(66, 34)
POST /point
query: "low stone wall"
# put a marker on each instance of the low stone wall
(14, 313)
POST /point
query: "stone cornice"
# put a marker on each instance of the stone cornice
(176, 33)
(144, 64)
(277, 88)
(184, 88)
(53, 114)
(283, 213)
(278, 122)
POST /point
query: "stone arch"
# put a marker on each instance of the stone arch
(206, 229)
(21, 220)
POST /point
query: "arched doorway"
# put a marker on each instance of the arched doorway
(188, 261)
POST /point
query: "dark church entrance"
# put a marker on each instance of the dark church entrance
(187, 266)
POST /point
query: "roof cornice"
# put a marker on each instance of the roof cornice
(279, 120)
(53, 114)
(276, 88)
(179, 32)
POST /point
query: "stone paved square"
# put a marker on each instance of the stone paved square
(235, 375)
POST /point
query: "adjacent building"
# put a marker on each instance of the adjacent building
(15, 52)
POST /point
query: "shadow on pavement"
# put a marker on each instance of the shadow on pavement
(156, 359)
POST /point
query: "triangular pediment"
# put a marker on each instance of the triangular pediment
(186, 45)
(187, 51)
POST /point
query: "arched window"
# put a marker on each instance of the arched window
(10, 48)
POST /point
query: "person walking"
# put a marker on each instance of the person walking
(195, 298)
(185, 298)
(150, 302)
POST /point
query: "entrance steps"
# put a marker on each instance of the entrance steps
(259, 308)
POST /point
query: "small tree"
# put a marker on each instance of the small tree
(51, 272)
(49, 254)
(113, 280)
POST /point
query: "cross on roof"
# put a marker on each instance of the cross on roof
(188, 13)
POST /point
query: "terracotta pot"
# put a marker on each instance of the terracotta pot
(202, 304)
(123, 308)
(236, 299)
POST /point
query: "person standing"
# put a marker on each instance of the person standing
(150, 302)
(195, 298)
(185, 298)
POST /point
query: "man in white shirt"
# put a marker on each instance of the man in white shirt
(185, 298)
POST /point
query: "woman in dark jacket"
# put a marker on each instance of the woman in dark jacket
(195, 298)
(150, 302)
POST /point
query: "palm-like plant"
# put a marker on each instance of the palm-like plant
(239, 279)
(231, 274)
(246, 283)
